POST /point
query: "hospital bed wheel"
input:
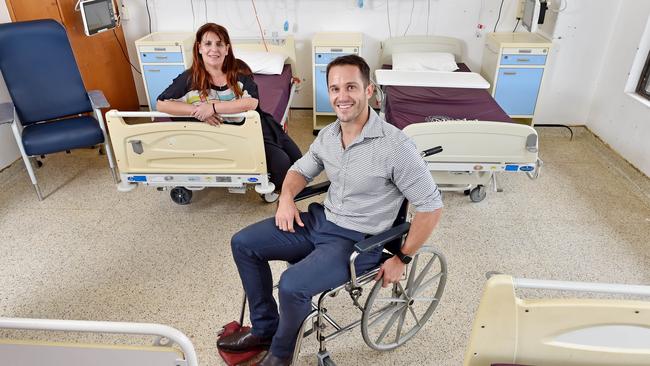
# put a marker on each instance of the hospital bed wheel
(477, 194)
(181, 195)
(393, 315)
(270, 197)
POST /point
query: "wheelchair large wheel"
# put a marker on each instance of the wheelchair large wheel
(393, 315)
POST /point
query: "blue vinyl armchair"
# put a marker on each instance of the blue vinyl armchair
(51, 110)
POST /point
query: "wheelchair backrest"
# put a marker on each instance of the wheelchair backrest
(395, 245)
(40, 71)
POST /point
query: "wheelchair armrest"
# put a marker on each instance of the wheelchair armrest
(382, 238)
(313, 190)
(6, 113)
(97, 99)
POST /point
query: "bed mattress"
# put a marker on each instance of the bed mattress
(410, 104)
(274, 91)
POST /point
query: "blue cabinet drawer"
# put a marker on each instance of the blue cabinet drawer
(326, 58)
(322, 97)
(517, 88)
(523, 59)
(157, 78)
(161, 57)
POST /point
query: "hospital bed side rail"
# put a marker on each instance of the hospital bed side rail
(159, 330)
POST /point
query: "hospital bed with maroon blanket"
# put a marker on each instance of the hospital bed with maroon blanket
(439, 106)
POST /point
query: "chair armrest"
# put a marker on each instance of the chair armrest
(97, 99)
(382, 238)
(313, 190)
(6, 113)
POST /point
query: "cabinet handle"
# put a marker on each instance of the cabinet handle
(154, 70)
(523, 59)
(509, 73)
(161, 57)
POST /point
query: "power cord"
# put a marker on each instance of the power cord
(498, 17)
(411, 17)
(390, 32)
(516, 25)
(126, 57)
(260, 26)
(146, 5)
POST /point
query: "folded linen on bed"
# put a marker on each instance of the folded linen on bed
(441, 79)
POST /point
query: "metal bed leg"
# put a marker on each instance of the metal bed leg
(495, 183)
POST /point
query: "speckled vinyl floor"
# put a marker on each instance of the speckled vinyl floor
(90, 252)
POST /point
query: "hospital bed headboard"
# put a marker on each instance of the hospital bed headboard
(285, 46)
(420, 44)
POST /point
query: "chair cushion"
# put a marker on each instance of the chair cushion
(61, 135)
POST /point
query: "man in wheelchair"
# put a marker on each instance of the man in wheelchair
(372, 167)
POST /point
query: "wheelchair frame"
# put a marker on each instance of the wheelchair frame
(400, 304)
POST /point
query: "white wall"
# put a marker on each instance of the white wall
(582, 31)
(455, 18)
(620, 120)
(8, 149)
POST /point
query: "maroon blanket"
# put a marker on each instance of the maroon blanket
(412, 104)
(274, 91)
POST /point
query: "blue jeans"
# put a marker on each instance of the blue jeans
(319, 252)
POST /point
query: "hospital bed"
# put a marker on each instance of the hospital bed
(469, 123)
(170, 347)
(276, 91)
(510, 330)
(187, 156)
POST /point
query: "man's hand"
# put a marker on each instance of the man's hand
(392, 271)
(203, 111)
(286, 214)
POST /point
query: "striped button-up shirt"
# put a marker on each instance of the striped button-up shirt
(370, 177)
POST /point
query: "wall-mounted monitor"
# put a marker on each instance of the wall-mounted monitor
(97, 15)
(534, 12)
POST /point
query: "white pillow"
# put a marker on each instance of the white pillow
(424, 61)
(267, 63)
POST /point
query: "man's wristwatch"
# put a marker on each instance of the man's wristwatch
(406, 259)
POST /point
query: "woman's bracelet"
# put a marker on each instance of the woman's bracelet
(214, 109)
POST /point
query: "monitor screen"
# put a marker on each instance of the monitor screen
(97, 15)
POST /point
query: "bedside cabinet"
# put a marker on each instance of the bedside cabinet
(163, 56)
(514, 65)
(325, 48)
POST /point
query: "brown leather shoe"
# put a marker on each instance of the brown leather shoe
(270, 360)
(243, 342)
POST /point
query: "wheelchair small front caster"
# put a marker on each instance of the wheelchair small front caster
(181, 195)
(477, 194)
(324, 359)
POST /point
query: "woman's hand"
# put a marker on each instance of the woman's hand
(214, 120)
(203, 112)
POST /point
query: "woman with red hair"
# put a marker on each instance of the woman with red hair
(218, 83)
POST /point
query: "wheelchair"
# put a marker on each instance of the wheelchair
(390, 316)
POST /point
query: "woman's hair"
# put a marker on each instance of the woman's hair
(231, 66)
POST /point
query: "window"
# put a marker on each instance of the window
(643, 88)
